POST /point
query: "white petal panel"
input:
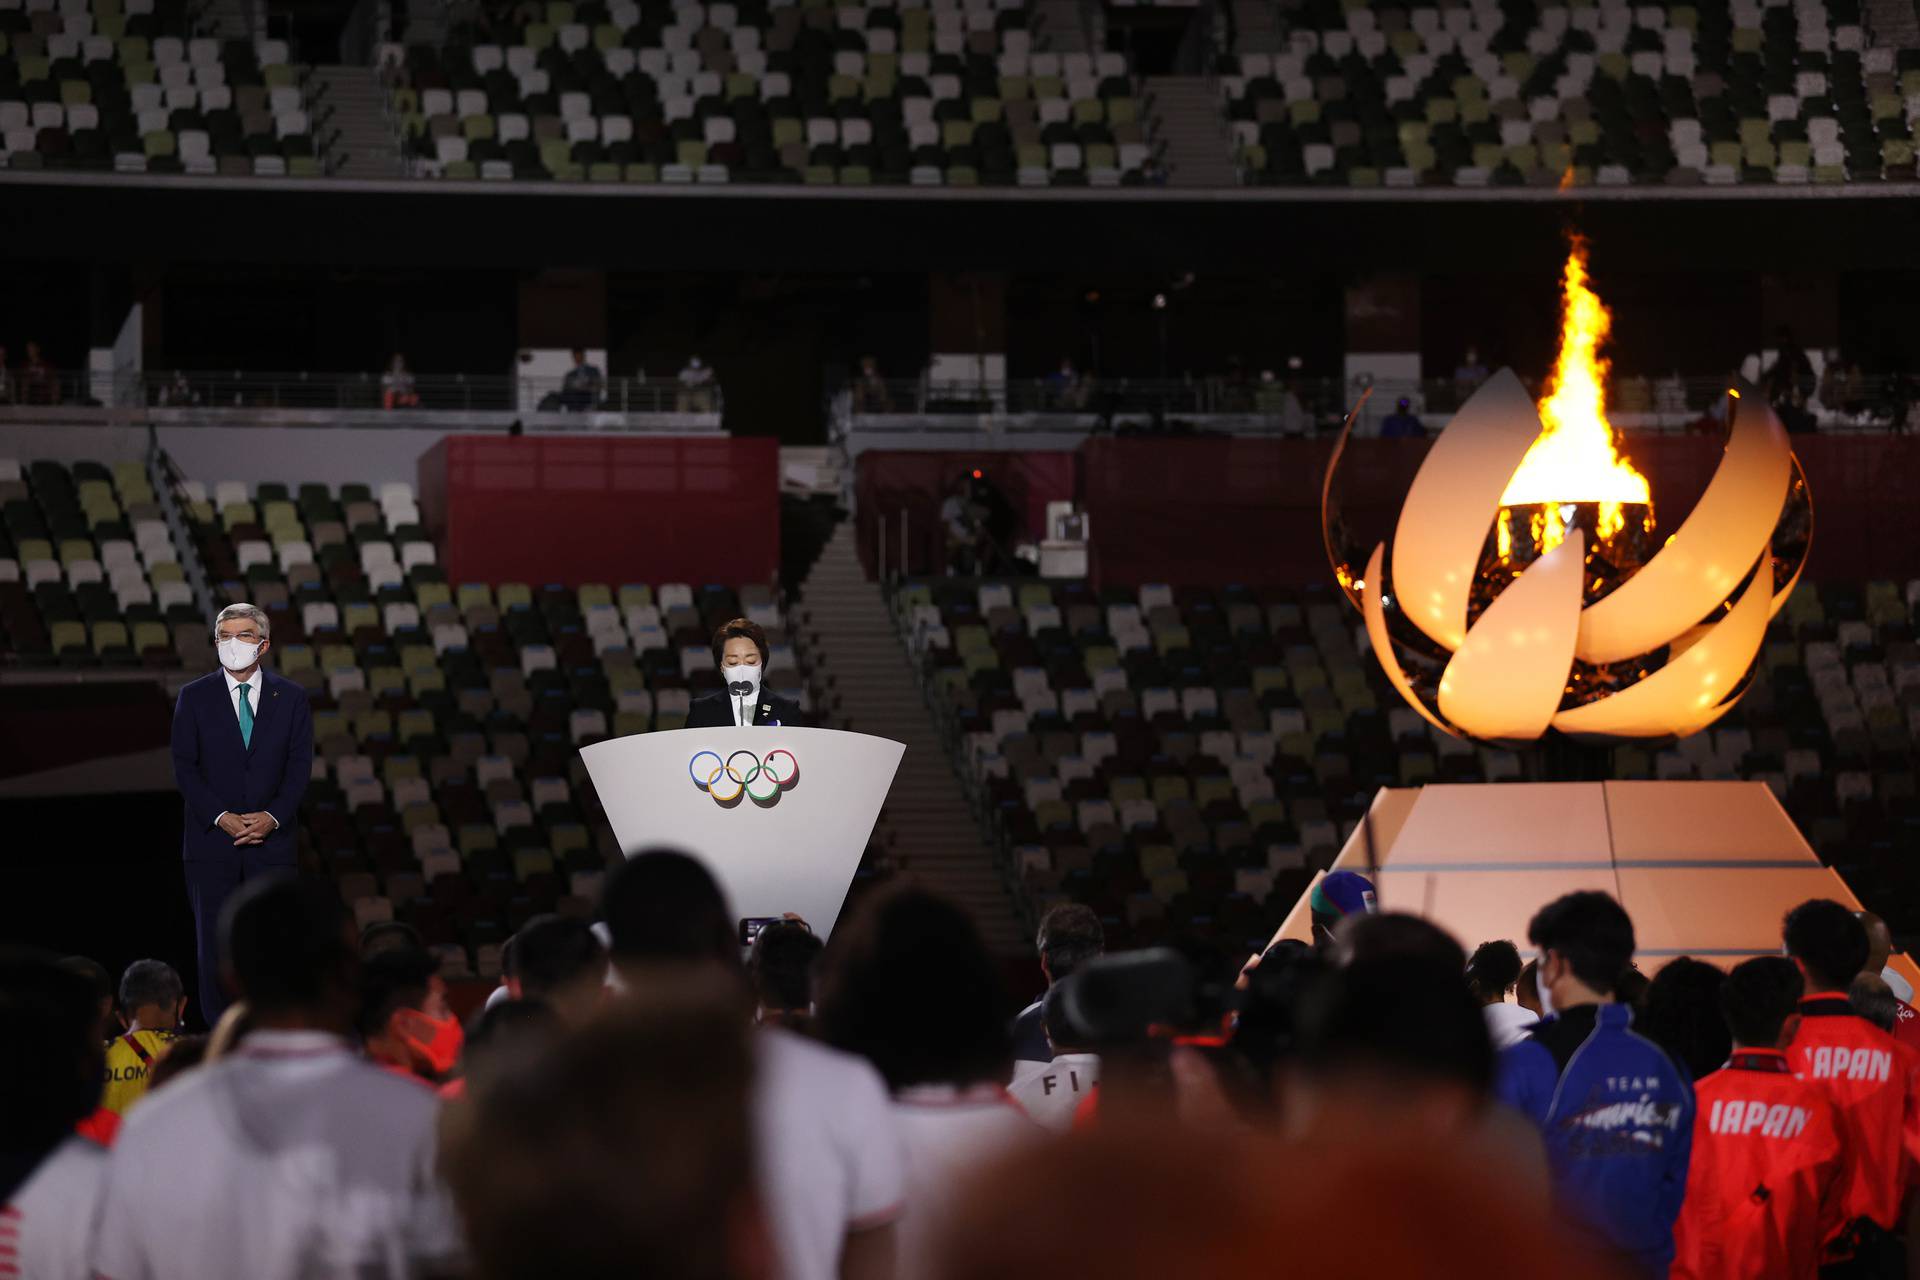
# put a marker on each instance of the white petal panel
(1451, 506)
(1690, 692)
(1705, 559)
(1506, 680)
(1372, 608)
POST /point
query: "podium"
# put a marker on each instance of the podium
(780, 816)
(1706, 869)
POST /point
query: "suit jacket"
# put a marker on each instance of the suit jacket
(715, 711)
(215, 771)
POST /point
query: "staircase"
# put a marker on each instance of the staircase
(927, 825)
(353, 105)
(1192, 131)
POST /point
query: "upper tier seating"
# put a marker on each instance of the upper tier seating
(955, 92)
(1516, 93)
(135, 87)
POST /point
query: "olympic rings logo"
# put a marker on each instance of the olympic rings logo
(759, 779)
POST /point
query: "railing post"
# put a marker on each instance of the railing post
(904, 570)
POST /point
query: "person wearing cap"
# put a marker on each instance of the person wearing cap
(1338, 895)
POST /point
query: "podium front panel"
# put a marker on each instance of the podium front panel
(776, 847)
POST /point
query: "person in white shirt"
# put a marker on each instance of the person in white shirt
(1050, 1091)
(291, 1156)
(1492, 974)
(830, 1157)
(910, 986)
(51, 1073)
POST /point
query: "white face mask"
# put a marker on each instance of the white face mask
(1540, 989)
(238, 655)
(747, 673)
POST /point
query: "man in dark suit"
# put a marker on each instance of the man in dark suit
(242, 755)
(740, 651)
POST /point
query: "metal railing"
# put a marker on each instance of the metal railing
(1307, 404)
(453, 393)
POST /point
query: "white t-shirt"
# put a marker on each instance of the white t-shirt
(830, 1154)
(947, 1132)
(1049, 1091)
(1508, 1024)
(45, 1228)
(293, 1157)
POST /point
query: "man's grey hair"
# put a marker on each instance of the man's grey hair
(253, 612)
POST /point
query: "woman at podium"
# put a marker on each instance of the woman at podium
(740, 652)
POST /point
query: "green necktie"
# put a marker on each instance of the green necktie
(246, 717)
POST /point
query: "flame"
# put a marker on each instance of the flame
(1575, 458)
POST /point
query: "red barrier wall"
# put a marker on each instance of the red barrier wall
(889, 482)
(1248, 511)
(619, 509)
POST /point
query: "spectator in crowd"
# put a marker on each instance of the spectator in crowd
(101, 1125)
(1069, 936)
(1526, 992)
(559, 961)
(1403, 423)
(1842, 387)
(781, 966)
(39, 383)
(1871, 1078)
(870, 389)
(1492, 973)
(1873, 1000)
(1065, 389)
(831, 1175)
(1682, 1015)
(1469, 373)
(1614, 1110)
(910, 987)
(696, 388)
(498, 1035)
(395, 1026)
(396, 385)
(1052, 1091)
(1788, 379)
(178, 392)
(291, 1155)
(1762, 1189)
(964, 521)
(182, 1056)
(1880, 956)
(1394, 1043)
(152, 1001)
(1633, 394)
(623, 1149)
(6, 379)
(50, 1176)
(1337, 896)
(1670, 395)
(581, 387)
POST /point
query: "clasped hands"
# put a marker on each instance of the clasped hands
(247, 828)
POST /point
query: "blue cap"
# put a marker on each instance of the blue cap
(1343, 893)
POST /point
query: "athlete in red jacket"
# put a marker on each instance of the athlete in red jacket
(1872, 1079)
(1764, 1189)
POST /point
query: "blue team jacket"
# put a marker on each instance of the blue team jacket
(1617, 1118)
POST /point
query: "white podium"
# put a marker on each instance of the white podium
(780, 816)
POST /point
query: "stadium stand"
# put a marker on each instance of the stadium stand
(89, 574)
(137, 86)
(1182, 758)
(1509, 94)
(947, 93)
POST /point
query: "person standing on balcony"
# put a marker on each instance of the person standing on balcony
(396, 386)
(39, 383)
(580, 389)
(696, 387)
